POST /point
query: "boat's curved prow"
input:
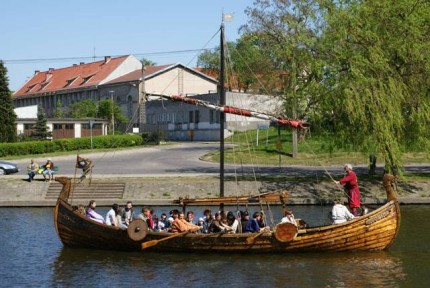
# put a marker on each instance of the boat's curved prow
(389, 182)
(67, 185)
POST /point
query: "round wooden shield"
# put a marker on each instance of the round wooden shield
(137, 230)
(285, 232)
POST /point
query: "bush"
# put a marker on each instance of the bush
(150, 138)
(70, 144)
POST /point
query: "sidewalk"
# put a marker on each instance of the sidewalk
(159, 190)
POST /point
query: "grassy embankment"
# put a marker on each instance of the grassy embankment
(312, 151)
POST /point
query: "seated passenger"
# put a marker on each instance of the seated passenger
(190, 217)
(127, 214)
(289, 218)
(147, 217)
(340, 213)
(92, 214)
(158, 225)
(207, 220)
(232, 222)
(119, 218)
(181, 225)
(215, 225)
(253, 225)
(201, 224)
(81, 210)
(111, 218)
(244, 219)
(163, 219)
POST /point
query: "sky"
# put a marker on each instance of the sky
(43, 34)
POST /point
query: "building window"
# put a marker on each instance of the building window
(58, 126)
(28, 126)
(129, 107)
(191, 117)
(86, 79)
(213, 116)
(197, 116)
(69, 81)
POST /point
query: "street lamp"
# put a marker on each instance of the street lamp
(113, 115)
(91, 132)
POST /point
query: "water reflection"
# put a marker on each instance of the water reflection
(89, 267)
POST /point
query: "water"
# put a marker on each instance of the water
(33, 256)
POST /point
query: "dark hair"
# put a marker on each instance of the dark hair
(115, 207)
(244, 213)
(256, 214)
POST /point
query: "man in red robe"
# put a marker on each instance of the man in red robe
(351, 187)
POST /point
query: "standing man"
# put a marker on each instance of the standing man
(85, 164)
(351, 188)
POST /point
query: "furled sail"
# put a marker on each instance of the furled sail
(298, 124)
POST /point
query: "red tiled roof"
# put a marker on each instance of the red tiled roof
(137, 74)
(76, 76)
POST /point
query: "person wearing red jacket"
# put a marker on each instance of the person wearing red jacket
(351, 188)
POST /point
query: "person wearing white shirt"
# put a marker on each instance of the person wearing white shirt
(289, 218)
(340, 213)
(111, 218)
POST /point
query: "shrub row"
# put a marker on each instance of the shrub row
(70, 144)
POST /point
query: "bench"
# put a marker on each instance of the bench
(84, 191)
(40, 171)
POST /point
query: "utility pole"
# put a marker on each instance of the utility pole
(113, 114)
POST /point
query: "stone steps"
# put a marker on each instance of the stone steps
(89, 191)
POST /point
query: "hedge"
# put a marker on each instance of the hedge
(69, 144)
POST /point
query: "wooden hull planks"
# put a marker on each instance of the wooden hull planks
(372, 232)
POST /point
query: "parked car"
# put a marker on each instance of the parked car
(8, 167)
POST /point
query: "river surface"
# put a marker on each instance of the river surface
(33, 256)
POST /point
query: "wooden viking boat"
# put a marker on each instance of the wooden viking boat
(374, 231)
(371, 232)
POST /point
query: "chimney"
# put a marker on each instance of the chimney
(36, 71)
(74, 65)
(107, 59)
(50, 70)
(81, 63)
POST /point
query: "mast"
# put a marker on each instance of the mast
(222, 114)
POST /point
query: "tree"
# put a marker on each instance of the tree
(83, 109)
(105, 110)
(41, 131)
(7, 114)
(379, 62)
(146, 62)
(358, 68)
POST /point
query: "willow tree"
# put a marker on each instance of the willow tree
(360, 67)
(7, 115)
(379, 68)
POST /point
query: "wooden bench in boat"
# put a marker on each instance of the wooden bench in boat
(89, 191)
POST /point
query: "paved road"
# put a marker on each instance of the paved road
(183, 158)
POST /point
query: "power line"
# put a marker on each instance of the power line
(60, 59)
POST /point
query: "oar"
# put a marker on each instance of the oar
(251, 239)
(151, 243)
